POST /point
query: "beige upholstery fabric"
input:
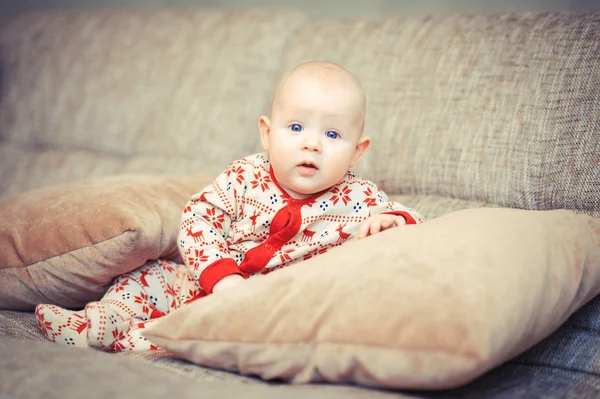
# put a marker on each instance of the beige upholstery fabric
(425, 306)
(27, 169)
(181, 84)
(431, 206)
(499, 109)
(65, 244)
(45, 370)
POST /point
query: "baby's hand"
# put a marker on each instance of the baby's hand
(228, 282)
(377, 223)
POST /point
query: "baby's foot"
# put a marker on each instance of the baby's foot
(112, 329)
(61, 325)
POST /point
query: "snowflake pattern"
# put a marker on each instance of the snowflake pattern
(261, 180)
(341, 192)
(215, 219)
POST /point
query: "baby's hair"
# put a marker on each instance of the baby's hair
(326, 71)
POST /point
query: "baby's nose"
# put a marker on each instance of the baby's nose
(311, 143)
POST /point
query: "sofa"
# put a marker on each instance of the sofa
(131, 112)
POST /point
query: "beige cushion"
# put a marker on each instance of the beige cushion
(427, 306)
(64, 244)
(492, 108)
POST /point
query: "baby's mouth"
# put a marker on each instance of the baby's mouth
(309, 165)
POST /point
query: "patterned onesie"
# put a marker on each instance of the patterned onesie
(243, 223)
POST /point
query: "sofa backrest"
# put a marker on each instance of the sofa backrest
(499, 109)
(94, 93)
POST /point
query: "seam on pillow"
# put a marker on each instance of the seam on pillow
(67, 252)
(312, 343)
(48, 300)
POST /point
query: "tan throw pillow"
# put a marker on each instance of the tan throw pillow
(64, 244)
(426, 307)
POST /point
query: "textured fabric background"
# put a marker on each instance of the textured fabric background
(39, 370)
(499, 109)
(464, 111)
(563, 366)
(171, 85)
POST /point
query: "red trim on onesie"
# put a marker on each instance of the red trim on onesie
(409, 219)
(216, 271)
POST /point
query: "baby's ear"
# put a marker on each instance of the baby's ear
(360, 149)
(264, 127)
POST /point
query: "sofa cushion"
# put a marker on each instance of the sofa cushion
(142, 82)
(422, 307)
(64, 244)
(494, 108)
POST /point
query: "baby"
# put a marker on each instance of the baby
(266, 211)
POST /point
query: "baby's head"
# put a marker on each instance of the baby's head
(314, 132)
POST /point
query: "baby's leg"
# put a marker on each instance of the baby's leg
(114, 323)
(61, 325)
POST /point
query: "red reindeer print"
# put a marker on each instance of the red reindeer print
(343, 236)
(79, 325)
(253, 219)
(307, 236)
(187, 209)
(143, 274)
(197, 236)
(284, 256)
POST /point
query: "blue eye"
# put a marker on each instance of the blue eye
(332, 135)
(296, 127)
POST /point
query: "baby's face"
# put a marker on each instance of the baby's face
(315, 128)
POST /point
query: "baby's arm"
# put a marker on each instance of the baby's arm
(205, 224)
(387, 214)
